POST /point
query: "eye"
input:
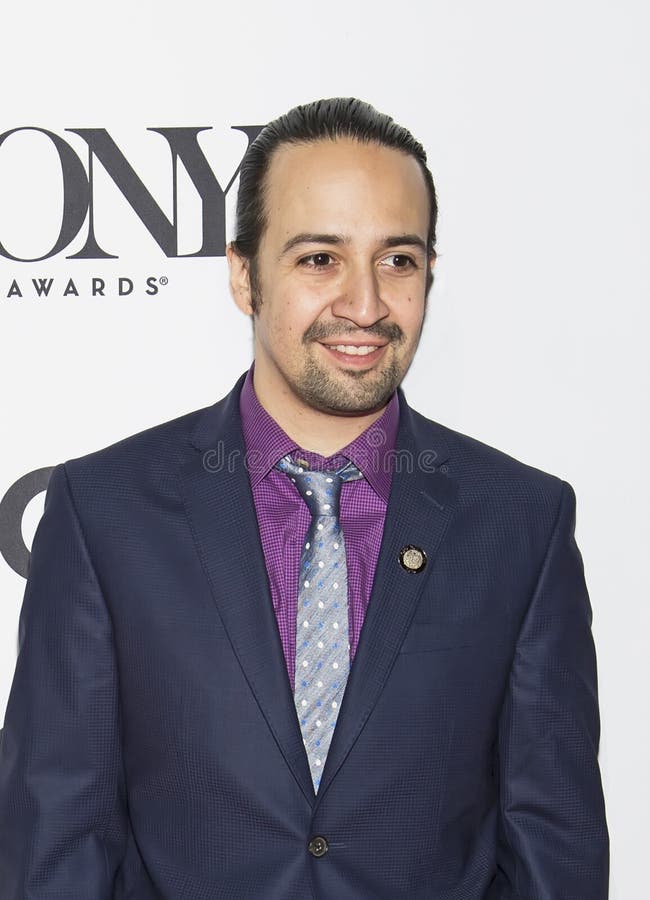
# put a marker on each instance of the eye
(399, 261)
(316, 261)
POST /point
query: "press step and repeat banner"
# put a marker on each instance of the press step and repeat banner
(122, 129)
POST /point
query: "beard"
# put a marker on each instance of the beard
(351, 391)
(359, 392)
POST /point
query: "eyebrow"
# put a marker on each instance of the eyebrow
(306, 237)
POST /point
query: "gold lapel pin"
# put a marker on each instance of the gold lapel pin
(412, 558)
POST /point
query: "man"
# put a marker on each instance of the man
(306, 643)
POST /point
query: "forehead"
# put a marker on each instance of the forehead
(344, 186)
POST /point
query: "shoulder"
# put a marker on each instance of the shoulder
(489, 475)
(141, 470)
(149, 449)
(155, 451)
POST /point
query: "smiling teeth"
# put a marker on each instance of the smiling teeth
(354, 351)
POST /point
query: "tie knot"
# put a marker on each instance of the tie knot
(321, 490)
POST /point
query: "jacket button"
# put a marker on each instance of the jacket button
(318, 846)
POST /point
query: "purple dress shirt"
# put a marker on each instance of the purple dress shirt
(283, 517)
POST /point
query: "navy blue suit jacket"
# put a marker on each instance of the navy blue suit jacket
(151, 749)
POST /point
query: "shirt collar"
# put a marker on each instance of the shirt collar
(266, 442)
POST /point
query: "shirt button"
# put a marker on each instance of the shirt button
(318, 846)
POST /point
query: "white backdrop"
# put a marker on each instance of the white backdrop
(536, 120)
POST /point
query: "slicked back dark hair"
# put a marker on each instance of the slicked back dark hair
(338, 117)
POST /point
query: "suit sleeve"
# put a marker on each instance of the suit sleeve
(63, 819)
(553, 831)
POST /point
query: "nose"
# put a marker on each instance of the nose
(359, 297)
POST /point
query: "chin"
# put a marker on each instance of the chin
(344, 399)
(347, 391)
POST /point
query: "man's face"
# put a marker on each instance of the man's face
(342, 269)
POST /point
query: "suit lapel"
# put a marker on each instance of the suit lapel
(420, 508)
(221, 512)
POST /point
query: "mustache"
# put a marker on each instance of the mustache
(389, 331)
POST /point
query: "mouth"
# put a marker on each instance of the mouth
(355, 355)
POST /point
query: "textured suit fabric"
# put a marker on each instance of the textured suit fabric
(151, 749)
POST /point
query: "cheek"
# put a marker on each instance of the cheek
(296, 314)
(413, 313)
(284, 329)
(307, 300)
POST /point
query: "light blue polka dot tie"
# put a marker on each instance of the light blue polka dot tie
(322, 633)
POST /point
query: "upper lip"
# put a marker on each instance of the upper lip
(343, 343)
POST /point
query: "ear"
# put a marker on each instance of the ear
(240, 286)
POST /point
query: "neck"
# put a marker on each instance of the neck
(312, 429)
